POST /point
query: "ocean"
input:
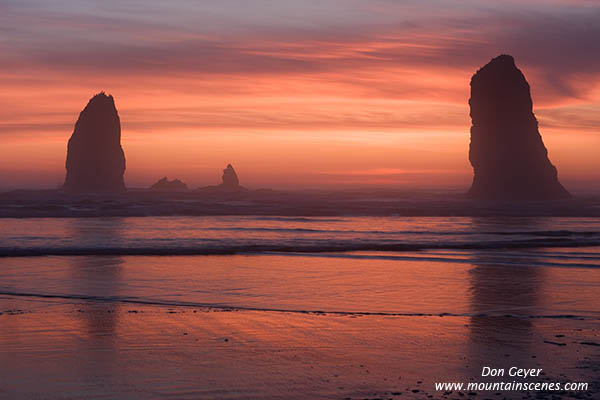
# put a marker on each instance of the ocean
(302, 263)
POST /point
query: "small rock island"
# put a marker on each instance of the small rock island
(166, 185)
(230, 178)
(230, 183)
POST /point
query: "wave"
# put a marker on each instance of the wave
(533, 261)
(546, 233)
(296, 219)
(226, 307)
(577, 255)
(557, 233)
(263, 229)
(296, 246)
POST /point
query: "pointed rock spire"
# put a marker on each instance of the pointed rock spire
(230, 178)
(508, 156)
(95, 158)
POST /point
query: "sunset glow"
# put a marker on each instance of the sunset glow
(367, 93)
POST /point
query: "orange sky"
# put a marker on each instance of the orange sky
(317, 94)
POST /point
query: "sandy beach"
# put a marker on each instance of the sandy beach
(276, 326)
(96, 350)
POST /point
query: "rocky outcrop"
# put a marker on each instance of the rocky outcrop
(165, 185)
(95, 158)
(509, 159)
(230, 178)
(230, 183)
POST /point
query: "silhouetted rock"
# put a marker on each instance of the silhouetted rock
(229, 185)
(95, 158)
(230, 179)
(508, 156)
(165, 185)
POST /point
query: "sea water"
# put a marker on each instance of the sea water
(533, 267)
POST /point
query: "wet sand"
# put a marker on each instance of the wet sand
(362, 325)
(99, 350)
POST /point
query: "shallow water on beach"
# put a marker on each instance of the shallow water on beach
(460, 266)
(430, 283)
(276, 313)
(251, 234)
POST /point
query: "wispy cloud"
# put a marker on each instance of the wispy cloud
(287, 66)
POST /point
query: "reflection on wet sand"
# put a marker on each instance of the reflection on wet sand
(503, 297)
(98, 275)
(101, 274)
(97, 322)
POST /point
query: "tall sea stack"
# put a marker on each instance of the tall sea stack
(509, 159)
(95, 158)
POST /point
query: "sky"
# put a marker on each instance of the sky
(327, 93)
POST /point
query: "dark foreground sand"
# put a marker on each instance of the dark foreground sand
(50, 349)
